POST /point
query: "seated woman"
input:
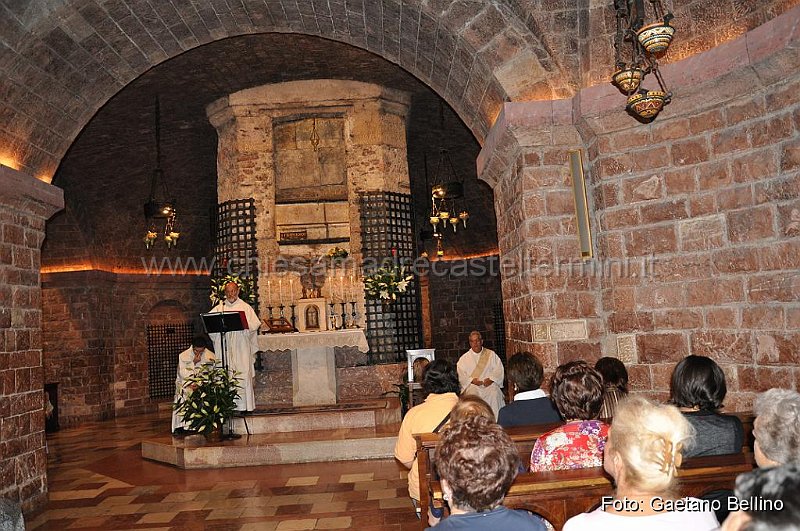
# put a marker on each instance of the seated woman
(769, 487)
(698, 389)
(531, 405)
(477, 462)
(642, 455)
(777, 428)
(615, 384)
(441, 384)
(469, 406)
(578, 393)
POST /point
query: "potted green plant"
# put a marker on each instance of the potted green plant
(208, 400)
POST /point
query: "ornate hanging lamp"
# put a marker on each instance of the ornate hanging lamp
(159, 205)
(637, 48)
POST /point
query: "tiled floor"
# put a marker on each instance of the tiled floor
(98, 480)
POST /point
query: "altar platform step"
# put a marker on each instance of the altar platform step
(343, 444)
(287, 419)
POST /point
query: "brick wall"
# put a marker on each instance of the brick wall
(462, 295)
(96, 346)
(696, 221)
(25, 204)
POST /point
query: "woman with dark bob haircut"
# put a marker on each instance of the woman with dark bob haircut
(615, 384)
(698, 389)
(441, 384)
(577, 390)
(477, 462)
(530, 405)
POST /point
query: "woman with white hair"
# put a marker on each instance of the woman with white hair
(777, 428)
(643, 452)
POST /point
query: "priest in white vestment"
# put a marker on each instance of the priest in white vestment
(188, 360)
(481, 373)
(240, 347)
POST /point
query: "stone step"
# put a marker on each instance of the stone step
(286, 419)
(275, 448)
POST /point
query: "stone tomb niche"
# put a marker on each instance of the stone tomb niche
(305, 152)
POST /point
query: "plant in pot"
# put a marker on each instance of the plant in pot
(209, 400)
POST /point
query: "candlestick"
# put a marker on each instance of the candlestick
(280, 290)
(344, 315)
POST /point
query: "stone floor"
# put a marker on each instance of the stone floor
(98, 480)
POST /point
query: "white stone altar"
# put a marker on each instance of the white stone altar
(313, 361)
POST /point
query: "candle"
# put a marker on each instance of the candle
(269, 293)
(291, 291)
(342, 286)
(280, 289)
(352, 288)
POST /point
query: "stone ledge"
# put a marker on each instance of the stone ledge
(22, 192)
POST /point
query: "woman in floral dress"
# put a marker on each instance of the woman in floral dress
(577, 390)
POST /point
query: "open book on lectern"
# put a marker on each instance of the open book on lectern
(219, 322)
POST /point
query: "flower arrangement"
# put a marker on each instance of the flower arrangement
(150, 239)
(246, 288)
(209, 398)
(387, 283)
(337, 252)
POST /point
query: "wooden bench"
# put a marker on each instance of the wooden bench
(560, 495)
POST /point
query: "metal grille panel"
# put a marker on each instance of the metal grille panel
(499, 330)
(235, 241)
(387, 235)
(164, 343)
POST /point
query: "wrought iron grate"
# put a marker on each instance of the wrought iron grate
(499, 329)
(164, 343)
(235, 241)
(387, 235)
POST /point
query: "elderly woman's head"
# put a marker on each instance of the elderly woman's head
(469, 406)
(477, 462)
(777, 491)
(645, 445)
(577, 390)
(777, 427)
(525, 372)
(698, 382)
(440, 377)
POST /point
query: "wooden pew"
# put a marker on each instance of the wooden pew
(560, 495)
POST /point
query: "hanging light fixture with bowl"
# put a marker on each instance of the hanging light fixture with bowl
(160, 205)
(447, 207)
(637, 47)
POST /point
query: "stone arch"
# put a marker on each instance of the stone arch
(69, 59)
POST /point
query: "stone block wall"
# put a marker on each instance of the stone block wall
(462, 298)
(96, 348)
(25, 205)
(696, 221)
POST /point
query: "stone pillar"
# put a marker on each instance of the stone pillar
(551, 301)
(25, 205)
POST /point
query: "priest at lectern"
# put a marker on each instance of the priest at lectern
(240, 347)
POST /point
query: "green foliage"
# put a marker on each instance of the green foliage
(387, 283)
(246, 288)
(209, 398)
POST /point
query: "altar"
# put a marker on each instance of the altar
(313, 361)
